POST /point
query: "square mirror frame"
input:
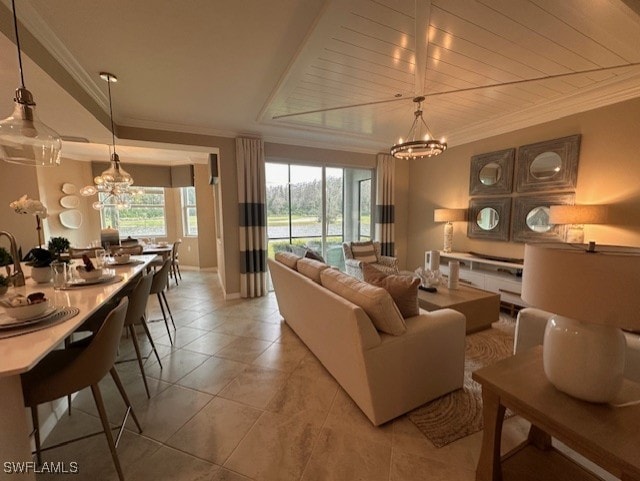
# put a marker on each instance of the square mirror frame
(502, 205)
(520, 231)
(505, 159)
(567, 148)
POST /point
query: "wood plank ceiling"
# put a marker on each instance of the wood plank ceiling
(363, 53)
(338, 73)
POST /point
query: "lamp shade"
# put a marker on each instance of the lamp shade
(449, 215)
(578, 214)
(598, 287)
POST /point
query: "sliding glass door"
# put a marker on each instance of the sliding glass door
(310, 207)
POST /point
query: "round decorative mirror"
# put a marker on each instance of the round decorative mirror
(487, 218)
(545, 165)
(490, 174)
(538, 219)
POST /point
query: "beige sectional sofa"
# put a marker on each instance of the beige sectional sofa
(386, 375)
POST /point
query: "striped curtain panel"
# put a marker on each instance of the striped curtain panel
(385, 208)
(253, 230)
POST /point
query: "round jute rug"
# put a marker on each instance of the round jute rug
(459, 414)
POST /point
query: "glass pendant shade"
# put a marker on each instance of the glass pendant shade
(113, 184)
(88, 190)
(24, 139)
(115, 175)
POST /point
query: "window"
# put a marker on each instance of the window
(145, 218)
(317, 208)
(189, 213)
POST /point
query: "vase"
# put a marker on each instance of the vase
(41, 274)
(583, 359)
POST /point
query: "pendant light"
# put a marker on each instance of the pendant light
(115, 182)
(24, 139)
(418, 144)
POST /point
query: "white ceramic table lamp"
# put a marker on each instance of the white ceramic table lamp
(576, 216)
(592, 293)
(449, 216)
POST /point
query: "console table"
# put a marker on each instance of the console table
(501, 277)
(606, 435)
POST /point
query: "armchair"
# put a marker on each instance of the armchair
(356, 253)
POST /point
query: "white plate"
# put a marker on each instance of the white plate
(7, 322)
(70, 201)
(106, 277)
(69, 188)
(71, 219)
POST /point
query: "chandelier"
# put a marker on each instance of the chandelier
(115, 182)
(24, 139)
(418, 145)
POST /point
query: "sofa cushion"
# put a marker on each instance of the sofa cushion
(364, 251)
(375, 301)
(289, 259)
(403, 289)
(311, 268)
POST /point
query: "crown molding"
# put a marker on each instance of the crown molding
(176, 127)
(318, 138)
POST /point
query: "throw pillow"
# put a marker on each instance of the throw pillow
(311, 269)
(288, 259)
(403, 289)
(364, 251)
(375, 301)
(315, 255)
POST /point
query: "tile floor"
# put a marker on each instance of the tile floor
(240, 397)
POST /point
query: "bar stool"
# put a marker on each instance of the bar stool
(160, 282)
(67, 371)
(136, 317)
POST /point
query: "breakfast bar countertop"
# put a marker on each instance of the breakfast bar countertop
(20, 353)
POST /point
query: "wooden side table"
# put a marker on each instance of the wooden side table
(481, 308)
(608, 436)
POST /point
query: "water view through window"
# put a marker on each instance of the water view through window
(318, 208)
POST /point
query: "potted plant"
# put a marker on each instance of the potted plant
(40, 261)
(58, 245)
(4, 284)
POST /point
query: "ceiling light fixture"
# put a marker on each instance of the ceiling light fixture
(115, 182)
(24, 139)
(418, 144)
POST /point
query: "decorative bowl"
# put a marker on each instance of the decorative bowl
(163, 244)
(88, 275)
(27, 311)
